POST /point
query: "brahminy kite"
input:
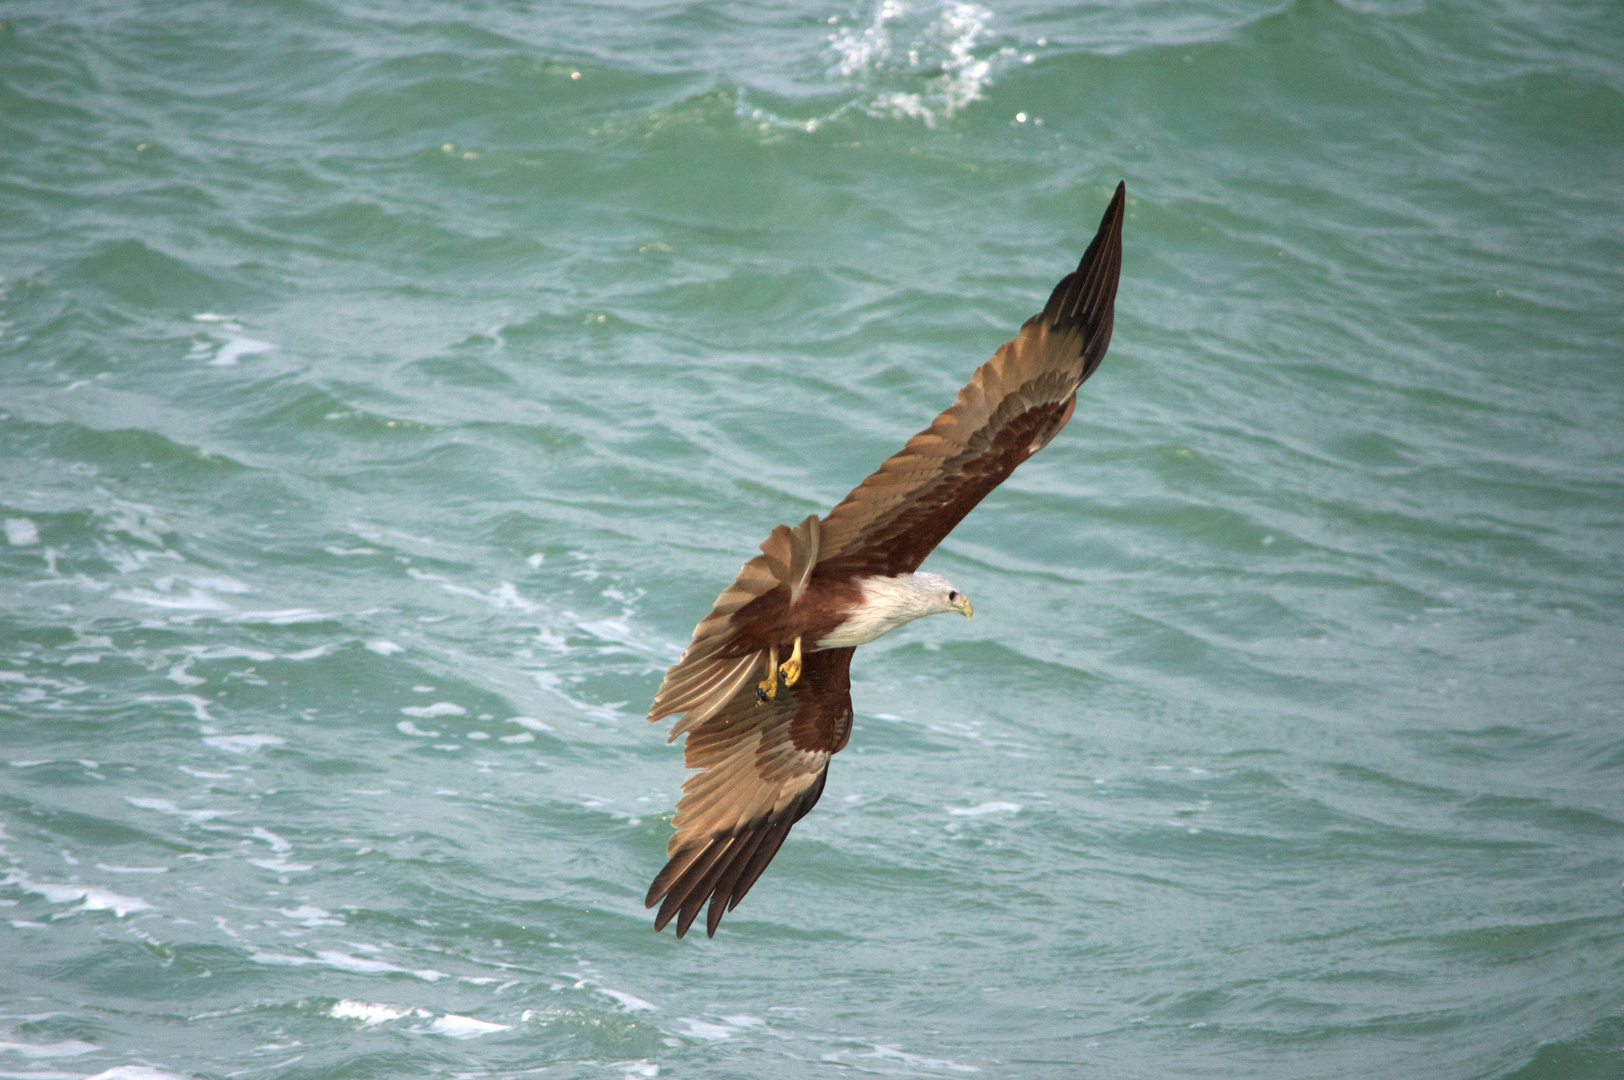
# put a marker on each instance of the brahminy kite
(762, 729)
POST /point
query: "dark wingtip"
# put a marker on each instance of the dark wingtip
(1115, 212)
(723, 870)
(1086, 297)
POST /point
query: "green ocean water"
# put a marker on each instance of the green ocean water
(386, 390)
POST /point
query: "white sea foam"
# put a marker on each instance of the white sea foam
(701, 1029)
(634, 1070)
(618, 631)
(164, 806)
(194, 600)
(212, 582)
(204, 774)
(92, 897)
(343, 962)
(68, 1048)
(530, 723)
(242, 744)
(945, 43)
(384, 648)
(369, 1015)
(234, 348)
(179, 675)
(554, 683)
(277, 843)
(504, 597)
(200, 705)
(136, 1072)
(314, 653)
(21, 532)
(227, 652)
(910, 61)
(406, 727)
(282, 617)
(918, 1061)
(985, 808)
(439, 708)
(629, 1002)
(311, 916)
(464, 1027)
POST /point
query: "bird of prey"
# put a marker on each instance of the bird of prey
(764, 687)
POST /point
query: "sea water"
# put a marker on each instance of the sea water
(386, 390)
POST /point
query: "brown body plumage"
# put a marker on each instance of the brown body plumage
(763, 749)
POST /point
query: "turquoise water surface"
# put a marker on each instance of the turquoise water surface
(387, 388)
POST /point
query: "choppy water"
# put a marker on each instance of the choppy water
(386, 389)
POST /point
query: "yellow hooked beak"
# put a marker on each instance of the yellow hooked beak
(962, 606)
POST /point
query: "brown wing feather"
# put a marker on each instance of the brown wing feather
(763, 767)
(712, 669)
(1013, 405)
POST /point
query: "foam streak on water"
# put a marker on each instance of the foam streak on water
(938, 40)
(385, 392)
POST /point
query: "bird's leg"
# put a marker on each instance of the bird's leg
(791, 669)
(767, 688)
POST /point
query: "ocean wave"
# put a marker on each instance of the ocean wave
(924, 62)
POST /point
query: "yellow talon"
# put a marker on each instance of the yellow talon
(767, 688)
(791, 669)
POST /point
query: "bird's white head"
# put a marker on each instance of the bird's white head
(890, 602)
(938, 595)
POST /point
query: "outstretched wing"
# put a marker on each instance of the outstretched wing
(763, 768)
(1013, 405)
(712, 669)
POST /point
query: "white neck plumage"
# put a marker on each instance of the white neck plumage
(890, 602)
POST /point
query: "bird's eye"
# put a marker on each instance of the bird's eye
(952, 596)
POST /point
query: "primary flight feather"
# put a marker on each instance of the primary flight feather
(764, 687)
